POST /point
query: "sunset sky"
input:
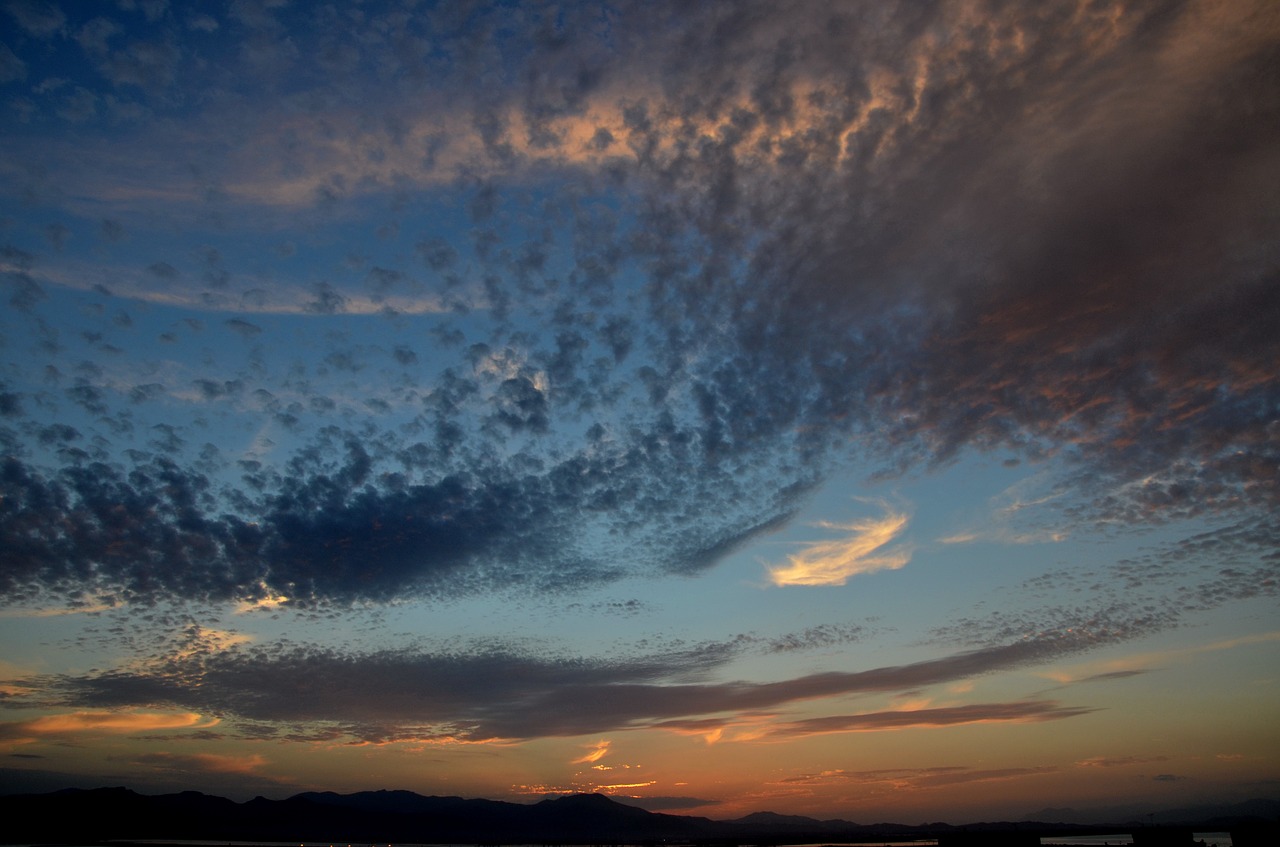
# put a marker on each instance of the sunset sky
(852, 409)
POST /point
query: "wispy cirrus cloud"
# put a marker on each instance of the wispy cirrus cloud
(1144, 662)
(1118, 761)
(72, 723)
(836, 562)
(595, 754)
(164, 285)
(1030, 711)
(203, 762)
(918, 778)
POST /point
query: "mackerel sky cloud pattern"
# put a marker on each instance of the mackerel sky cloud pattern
(386, 312)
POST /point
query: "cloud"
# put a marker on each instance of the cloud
(494, 694)
(1104, 623)
(166, 285)
(1034, 711)
(596, 753)
(834, 562)
(789, 244)
(917, 778)
(91, 722)
(1118, 761)
(201, 763)
(1141, 663)
(40, 19)
(823, 635)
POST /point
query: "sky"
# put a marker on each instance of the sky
(860, 410)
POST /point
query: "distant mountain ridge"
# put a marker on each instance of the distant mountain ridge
(1224, 813)
(119, 814)
(97, 815)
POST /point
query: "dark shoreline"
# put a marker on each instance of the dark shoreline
(118, 817)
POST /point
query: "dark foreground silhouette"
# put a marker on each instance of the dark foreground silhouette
(389, 817)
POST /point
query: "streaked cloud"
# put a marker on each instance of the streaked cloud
(461, 697)
(835, 562)
(202, 762)
(1144, 662)
(919, 778)
(595, 754)
(1033, 711)
(1118, 761)
(90, 722)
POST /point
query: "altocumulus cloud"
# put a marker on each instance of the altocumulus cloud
(887, 234)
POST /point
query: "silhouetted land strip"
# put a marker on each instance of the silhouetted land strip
(124, 818)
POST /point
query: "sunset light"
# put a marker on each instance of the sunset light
(853, 409)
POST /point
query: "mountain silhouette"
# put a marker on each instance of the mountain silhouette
(119, 814)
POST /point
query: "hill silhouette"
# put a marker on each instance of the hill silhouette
(119, 814)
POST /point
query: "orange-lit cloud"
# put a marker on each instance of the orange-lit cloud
(361, 158)
(539, 789)
(596, 753)
(203, 640)
(116, 722)
(620, 786)
(25, 732)
(268, 603)
(746, 727)
(834, 562)
(203, 762)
